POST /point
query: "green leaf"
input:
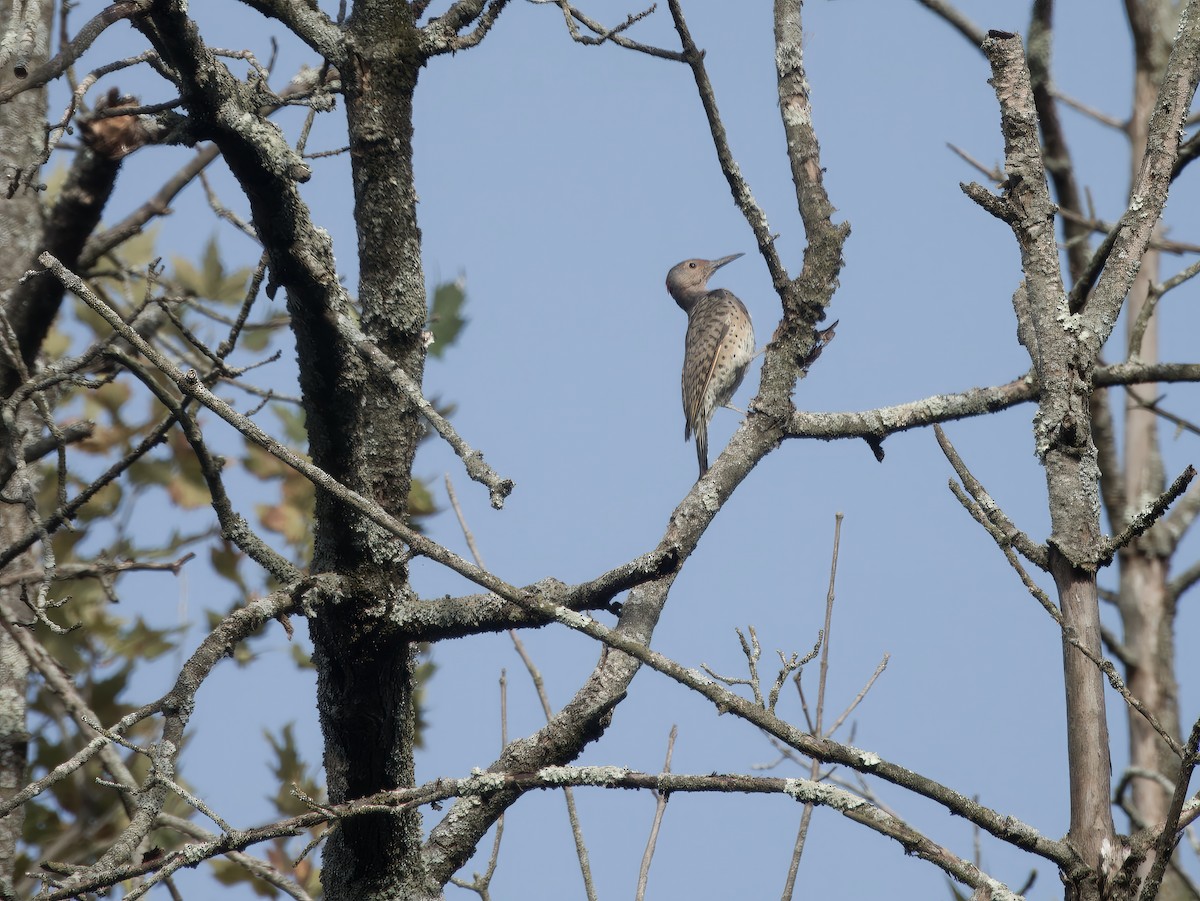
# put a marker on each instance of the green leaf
(225, 559)
(420, 499)
(290, 769)
(301, 657)
(142, 642)
(292, 420)
(227, 872)
(210, 280)
(445, 316)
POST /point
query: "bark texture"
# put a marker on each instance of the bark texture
(22, 128)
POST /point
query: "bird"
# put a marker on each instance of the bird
(717, 348)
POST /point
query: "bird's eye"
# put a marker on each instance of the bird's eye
(691, 265)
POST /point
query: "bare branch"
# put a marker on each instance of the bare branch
(498, 488)
(660, 808)
(848, 805)
(86, 36)
(192, 386)
(992, 172)
(1070, 636)
(441, 35)
(1182, 582)
(572, 15)
(1149, 192)
(1102, 227)
(994, 519)
(307, 22)
(876, 425)
(1168, 835)
(956, 20)
(1054, 139)
(1090, 111)
(742, 196)
(539, 685)
(233, 527)
(1004, 827)
(1146, 518)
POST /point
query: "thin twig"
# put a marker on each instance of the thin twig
(481, 883)
(956, 20)
(992, 172)
(1147, 517)
(660, 808)
(1167, 837)
(1092, 112)
(499, 488)
(789, 886)
(539, 685)
(571, 15)
(994, 519)
(858, 698)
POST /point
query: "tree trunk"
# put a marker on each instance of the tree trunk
(1144, 601)
(22, 132)
(366, 670)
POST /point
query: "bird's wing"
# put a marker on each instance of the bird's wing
(706, 333)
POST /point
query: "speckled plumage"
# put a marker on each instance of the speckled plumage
(718, 347)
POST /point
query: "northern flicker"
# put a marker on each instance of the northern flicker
(717, 349)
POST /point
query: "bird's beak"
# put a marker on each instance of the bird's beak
(717, 264)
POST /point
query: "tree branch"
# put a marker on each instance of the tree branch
(84, 38)
(994, 519)
(955, 19)
(498, 488)
(571, 15)
(1148, 194)
(309, 23)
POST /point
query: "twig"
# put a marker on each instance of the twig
(481, 883)
(462, 523)
(1092, 112)
(499, 488)
(1182, 582)
(752, 651)
(98, 570)
(660, 808)
(742, 196)
(858, 698)
(581, 852)
(843, 802)
(1101, 227)
(1104, 665)
(956, 20)
(992, 172)
(539, 686)
(223, 212)
(571, 15)
(1165, 844)
(83, 39)
(1185, 425)
(827, 630)
(1001, 528)
(789, 886)
(1145, 519)
(192, 385)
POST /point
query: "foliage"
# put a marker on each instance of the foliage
(109, 651)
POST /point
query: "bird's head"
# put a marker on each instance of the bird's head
(687, 282)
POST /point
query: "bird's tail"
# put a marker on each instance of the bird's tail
(702, 447)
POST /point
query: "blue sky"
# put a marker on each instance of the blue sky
(563, 182)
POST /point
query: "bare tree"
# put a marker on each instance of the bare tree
(361, 359)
